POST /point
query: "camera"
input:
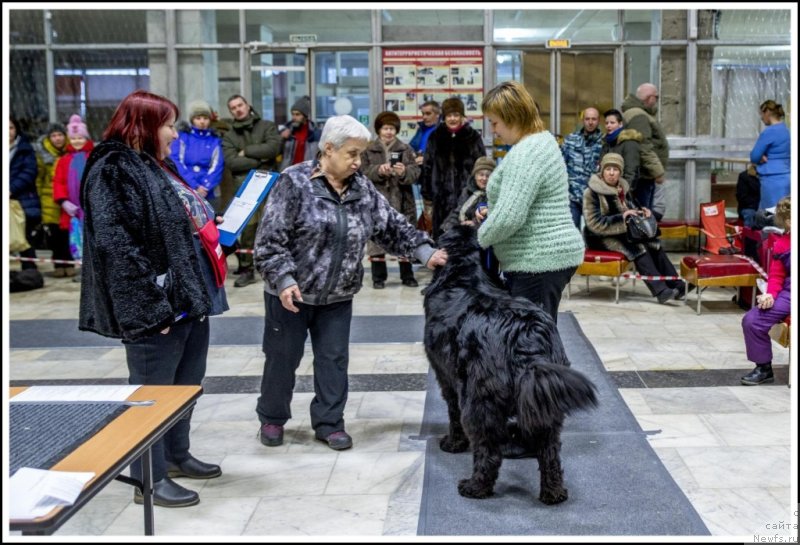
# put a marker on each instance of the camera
(394, 158)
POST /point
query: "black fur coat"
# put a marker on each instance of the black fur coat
(135, 229)
(449, 158)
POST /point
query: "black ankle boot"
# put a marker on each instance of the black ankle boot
(193, 468)
(168, 493)
(759, 375)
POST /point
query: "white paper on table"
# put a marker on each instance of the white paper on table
(255, 186)
(35, 492)
(88, 392)
(236, 215)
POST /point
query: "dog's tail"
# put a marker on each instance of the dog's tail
(547, 393)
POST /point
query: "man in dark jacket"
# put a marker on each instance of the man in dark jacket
(640, 112)
(301, 137)
(252, 143)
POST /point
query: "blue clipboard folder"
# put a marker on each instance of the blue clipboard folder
(251, 194)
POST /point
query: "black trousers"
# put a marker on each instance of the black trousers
(285, 335)
(656, 263)
(379, 271)
(31, 225)
(543, 288)
(179, 357)
(58, 242)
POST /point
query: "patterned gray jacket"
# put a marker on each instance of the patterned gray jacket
(313, 237)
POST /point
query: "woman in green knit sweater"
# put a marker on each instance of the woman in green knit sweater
(528, 221)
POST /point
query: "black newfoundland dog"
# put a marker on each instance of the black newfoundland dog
(497, 358)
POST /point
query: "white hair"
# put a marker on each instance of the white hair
(341, 128)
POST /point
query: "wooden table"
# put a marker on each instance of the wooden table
(110, 451)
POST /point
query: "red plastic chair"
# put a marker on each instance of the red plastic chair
(721, 238)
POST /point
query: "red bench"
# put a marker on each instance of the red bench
(601, 263)
(718, 271)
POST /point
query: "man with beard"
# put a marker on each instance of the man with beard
(251, 143)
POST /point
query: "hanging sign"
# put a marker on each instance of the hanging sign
(302, 38)
(558, 44)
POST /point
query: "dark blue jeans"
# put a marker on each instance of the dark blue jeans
(284, 340)
(179, 357)
(543, 288)
(643, 194)
(576, 210)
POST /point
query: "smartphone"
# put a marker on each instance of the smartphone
(394, 158)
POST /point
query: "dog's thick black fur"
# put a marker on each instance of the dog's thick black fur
(497, 357)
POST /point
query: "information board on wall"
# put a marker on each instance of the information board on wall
(414, 76)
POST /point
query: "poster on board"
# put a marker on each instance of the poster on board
(411, 77)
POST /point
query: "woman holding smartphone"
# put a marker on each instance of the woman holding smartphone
(391, 166)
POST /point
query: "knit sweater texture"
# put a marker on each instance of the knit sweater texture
(529, 223)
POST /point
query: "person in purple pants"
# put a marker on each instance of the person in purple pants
(774, 306)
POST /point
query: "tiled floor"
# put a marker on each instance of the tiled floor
(729, 447)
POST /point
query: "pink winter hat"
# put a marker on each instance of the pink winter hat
(76, 127)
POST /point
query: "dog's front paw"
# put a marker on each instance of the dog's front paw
(450, 444)
(552, 497)
(470, 489)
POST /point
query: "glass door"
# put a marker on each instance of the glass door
(278, 80)
(562, 82)
(586, 79)
(341, 83)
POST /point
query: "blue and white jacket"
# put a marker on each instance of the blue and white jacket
(581, 154)
(197, 154)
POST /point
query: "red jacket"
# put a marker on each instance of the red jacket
(60, 187)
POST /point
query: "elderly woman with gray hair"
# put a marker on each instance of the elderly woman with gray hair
(309, 248)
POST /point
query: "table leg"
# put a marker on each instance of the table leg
(147, 492)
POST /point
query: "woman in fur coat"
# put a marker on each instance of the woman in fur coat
(450, 155)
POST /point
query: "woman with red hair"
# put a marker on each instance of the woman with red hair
(152, 271)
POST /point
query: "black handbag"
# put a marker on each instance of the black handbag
(641, 228)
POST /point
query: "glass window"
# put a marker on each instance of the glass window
(538, 26)
(642, 24)
(103, 26)
(641, 66)
(737, 24)
(734, 81)
(208, 75)
(342, 75)
(28, 95)
(508, 66)
(432, 25)
(91, 83)
(209, 26)
(327, 25)
(26, 26)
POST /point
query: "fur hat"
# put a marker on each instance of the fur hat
(483, 163)
(199, 107)
(56, 127)
(76, 127)
(452, 105)
(303, 105)
(387, 118)
(612, 159)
